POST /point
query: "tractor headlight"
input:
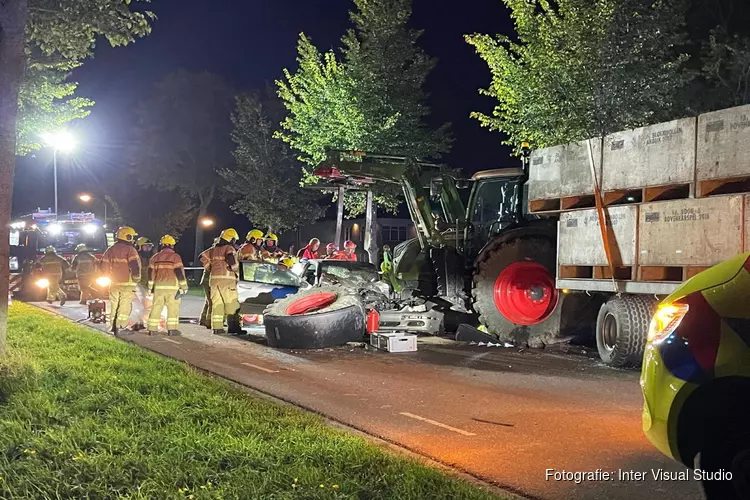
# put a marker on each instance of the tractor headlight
(42, 283)
(103, 281)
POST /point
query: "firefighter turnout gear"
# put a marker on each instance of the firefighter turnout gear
(271, 251)
(122, 265)
(166, 277)
(53, 269)
(221, 262)
(205, 284)
(84, 265)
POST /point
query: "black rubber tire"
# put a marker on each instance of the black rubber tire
(449, 273)
(491, 263)
(341, 322)
(630, 316)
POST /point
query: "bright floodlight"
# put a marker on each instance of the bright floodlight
(54, 229)
(89, 228)
(61, 140)
(85, 198)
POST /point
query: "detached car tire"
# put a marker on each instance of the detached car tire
(315, 318)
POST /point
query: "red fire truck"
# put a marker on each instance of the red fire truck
(31, 234)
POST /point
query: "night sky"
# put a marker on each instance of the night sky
(248, 43)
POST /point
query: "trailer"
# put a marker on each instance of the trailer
(641, 211)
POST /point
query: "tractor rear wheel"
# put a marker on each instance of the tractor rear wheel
(514, 292)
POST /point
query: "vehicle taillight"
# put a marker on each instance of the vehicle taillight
(666, 320)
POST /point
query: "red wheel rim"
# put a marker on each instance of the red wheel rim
(525, 293)
(311, 303)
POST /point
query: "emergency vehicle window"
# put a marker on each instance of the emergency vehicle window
(66, 241)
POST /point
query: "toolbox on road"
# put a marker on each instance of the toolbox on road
(394, 342)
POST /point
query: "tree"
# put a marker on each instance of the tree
(584, 68)
(46, 102)
(66, 30)
(182, 138)
(370, 99)
(152, 213)
(265, 184)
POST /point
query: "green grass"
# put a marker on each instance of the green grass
(86, 416)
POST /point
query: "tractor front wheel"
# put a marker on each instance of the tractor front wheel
(514, 292)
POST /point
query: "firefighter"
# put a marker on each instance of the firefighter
(205, 284)
(347, 253)
(84, 265)
(53, 269)
(330, 250)
(222, 264)
(166, 280)
(311, 250)
(271, 251)
(251, 250)
(142, 303)
(122, 265)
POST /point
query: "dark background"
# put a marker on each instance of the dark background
(249, 43)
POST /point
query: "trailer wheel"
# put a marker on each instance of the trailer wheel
(315, 318)
(514, 287)
(621, 329)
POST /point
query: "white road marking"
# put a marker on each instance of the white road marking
(173, 341)
(438, 424)
(260, 368)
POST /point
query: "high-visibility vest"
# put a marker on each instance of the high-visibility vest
(122, 264)
(166, 272)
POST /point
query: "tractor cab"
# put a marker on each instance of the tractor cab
(494, 206)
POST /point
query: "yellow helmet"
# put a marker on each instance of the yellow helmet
(287, 261)
(254, 234)
(126, 233)
(167, 240)
(229, 235)
(271, 236)
(142, 241)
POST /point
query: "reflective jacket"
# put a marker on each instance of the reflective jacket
(53, 265)
(341, 255)
(308, 253)
(84, 264)
(122, 264)
(221, 262)
(166, 272)
(248, 251)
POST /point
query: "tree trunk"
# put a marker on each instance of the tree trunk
(205, 201)
(340, 218)
(12, 23)
(371, 229)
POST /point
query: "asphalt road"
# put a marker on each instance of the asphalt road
(499, 414)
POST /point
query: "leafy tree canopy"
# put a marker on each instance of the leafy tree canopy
(265, 184)
(584, 68)
(371, 98)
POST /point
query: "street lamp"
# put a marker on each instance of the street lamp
(87, 198)
(207, 222)
(58, 141)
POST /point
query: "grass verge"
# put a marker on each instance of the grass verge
(86, 416)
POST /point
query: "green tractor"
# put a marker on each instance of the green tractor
(489, 256)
